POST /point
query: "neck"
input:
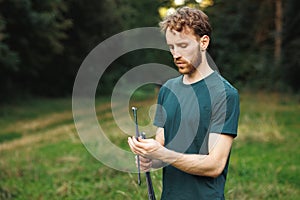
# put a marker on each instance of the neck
(200, 72)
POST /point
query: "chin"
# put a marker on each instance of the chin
(183, 72)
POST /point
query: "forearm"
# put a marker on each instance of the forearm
(160, 138)
(196, 164)
(203, 165)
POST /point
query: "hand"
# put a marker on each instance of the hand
(147, 148)
(145, 163)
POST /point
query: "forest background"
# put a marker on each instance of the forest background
(255, 43)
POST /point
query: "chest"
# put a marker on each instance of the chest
(192, 110)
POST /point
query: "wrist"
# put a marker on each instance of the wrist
(169, 156)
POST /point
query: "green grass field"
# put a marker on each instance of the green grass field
(42, 157)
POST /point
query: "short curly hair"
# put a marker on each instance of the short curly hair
(184, 17)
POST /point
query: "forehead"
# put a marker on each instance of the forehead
(175, 36)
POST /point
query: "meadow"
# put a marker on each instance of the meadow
(42, 157)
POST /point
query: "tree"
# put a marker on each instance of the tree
(133, 14)
(278, 28)
(9, 61)
(290, 65)
(34, 31)
(249, 39)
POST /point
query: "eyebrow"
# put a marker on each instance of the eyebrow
(178, 43)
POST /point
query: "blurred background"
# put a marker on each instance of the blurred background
(255, 44)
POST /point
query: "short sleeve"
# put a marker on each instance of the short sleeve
(225, 113)
(159, 119)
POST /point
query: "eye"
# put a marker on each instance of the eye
(183, 45)
(171, 47)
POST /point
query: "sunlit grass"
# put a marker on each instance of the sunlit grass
(261, 128)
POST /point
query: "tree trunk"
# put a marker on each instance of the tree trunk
(278, 30)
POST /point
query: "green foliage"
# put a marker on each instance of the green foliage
(291, 44)
(133, 14)
(128, 61)
(9, 60)
(43, 43)
(34, 30)
(241, 56)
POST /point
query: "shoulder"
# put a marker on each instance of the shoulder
(218, 84)
(220, 90)
(168, 87)
(230, 90)
(171, 83)
(231, 93)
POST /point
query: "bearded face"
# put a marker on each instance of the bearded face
(185, 49)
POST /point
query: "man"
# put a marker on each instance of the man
(197, 116)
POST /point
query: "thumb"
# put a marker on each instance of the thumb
(146, 141)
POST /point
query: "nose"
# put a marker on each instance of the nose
(175, 54)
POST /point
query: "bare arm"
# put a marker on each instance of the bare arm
(204, 165)
(161, 139)
(159, 136)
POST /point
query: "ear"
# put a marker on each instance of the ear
(204, 42)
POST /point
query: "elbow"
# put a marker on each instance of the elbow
(212, 172)
(217, 168)
(216, 172)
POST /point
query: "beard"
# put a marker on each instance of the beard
(197, 58)
(186, 66)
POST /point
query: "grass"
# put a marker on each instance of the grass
(265, 158)
(42, 157)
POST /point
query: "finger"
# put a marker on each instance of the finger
(143, 166)
(138, 144)
(144, 160)
(130, 143)
(133, 142)
(142, 147)
(133, 146)
(136, 140)
(146, 167)
(145, 141)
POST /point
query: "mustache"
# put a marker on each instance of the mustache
(180, 60)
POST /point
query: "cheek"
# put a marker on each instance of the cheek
(190, 53)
